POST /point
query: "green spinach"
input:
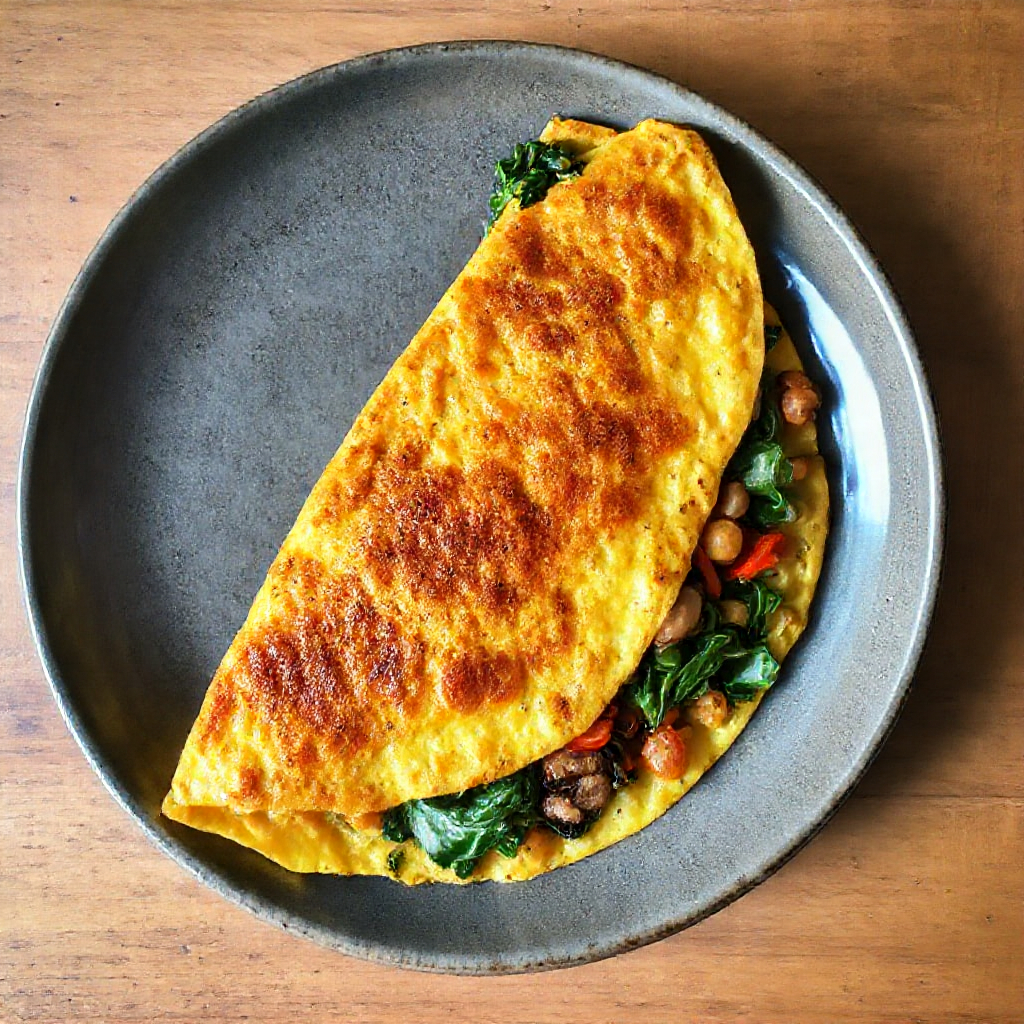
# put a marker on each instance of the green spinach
(764, 470)
(760, 600)
(681, 672)
(732, 659)
(527, 175)
(746, 676)
(760, 464)
(456, 831)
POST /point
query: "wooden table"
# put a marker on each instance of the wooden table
(908, 907)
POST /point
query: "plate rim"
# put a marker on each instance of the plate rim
(925, 414)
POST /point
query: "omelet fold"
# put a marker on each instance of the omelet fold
(490, 551)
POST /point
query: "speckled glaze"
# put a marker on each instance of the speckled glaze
(213, 352)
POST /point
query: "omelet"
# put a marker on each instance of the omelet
(491, 551)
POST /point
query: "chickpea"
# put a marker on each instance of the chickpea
(794, 379)
(733, 500)
(682, 619)
(801, 464)
(710, 709)
(664, 753)
(734, 612)
(722, 540)
(799, 405)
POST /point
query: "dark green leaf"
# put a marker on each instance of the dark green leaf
(567, 831)
(712, 649)
(668, 658)
(720, 657)
(764, 470)
(772, 333)
(765, 513)
(761, 465)
(658, 687)
(527, 175)
(395, 827)
(743, 678)
(760, 600)
(709, 618)
(621, 775)
(768, 423)
(456, 831)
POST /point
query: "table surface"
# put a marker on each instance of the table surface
(908, 907)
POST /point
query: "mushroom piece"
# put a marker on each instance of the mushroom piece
(563, 766)
(592, 793)
(561, 810)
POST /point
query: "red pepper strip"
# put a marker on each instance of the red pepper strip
(594, 738)
(712, 584)
(764, 555)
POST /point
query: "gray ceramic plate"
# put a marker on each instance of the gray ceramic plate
(217, 345)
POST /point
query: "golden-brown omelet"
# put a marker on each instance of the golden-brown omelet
(492, 548)
(329, 843)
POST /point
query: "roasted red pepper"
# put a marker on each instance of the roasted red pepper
(594, 738)
(763, 555)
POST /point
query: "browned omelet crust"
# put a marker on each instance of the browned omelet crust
(491, 549)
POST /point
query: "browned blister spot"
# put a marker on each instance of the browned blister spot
(520, 299)
(475, 679)
(563, 606)
(653, 231)
(594, 445)
(305, 757)
(288, 687)
(219, 710)
(331, 669)
(444, 533)
(606, 431)
(562, 707)
(528, 250)
(341, 494)
(662, 429)
(594, 296)
(553, 339)
(250, 785)
(623, 374)
(621, 503)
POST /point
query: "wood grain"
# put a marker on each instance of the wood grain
(908, 907)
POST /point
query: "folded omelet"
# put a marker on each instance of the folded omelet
(489, 554)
